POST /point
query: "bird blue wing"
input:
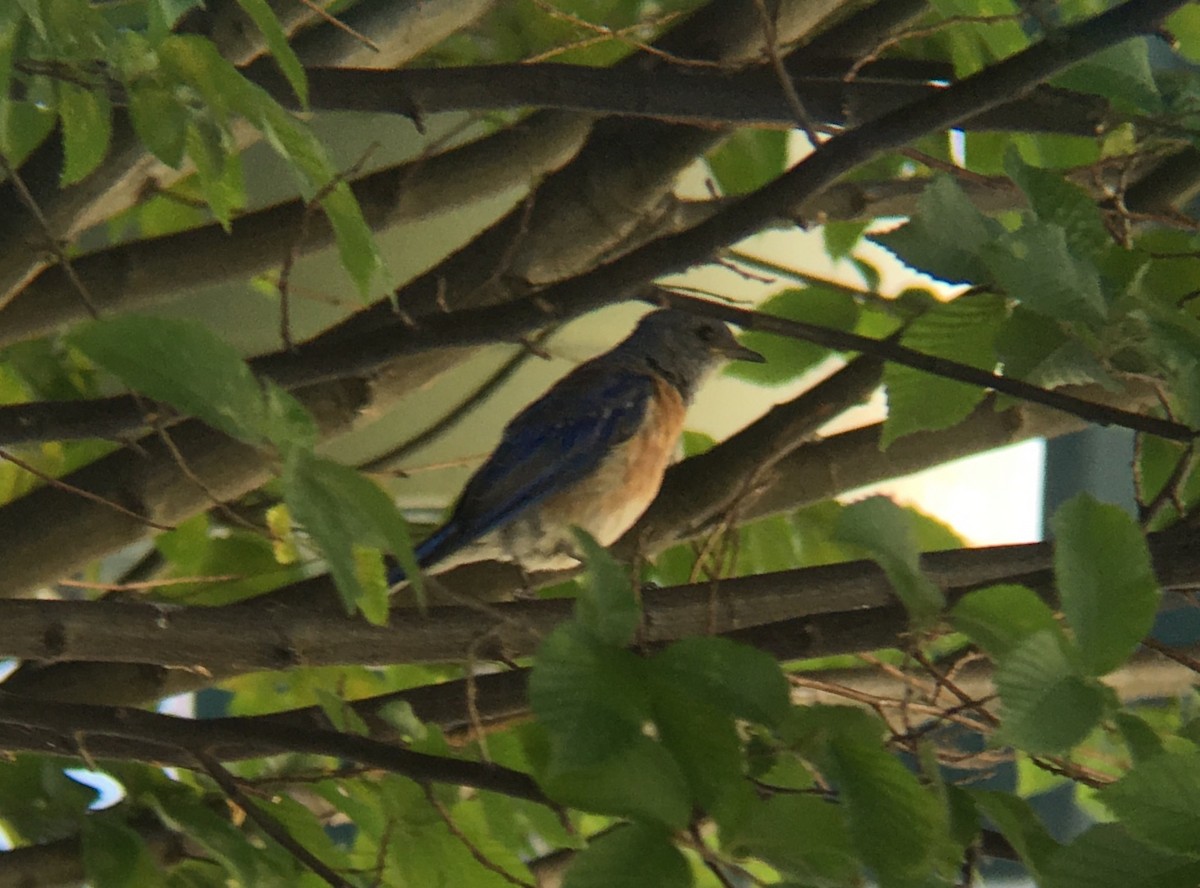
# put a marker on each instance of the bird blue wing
(552, 444)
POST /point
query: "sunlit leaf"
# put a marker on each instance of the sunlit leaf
(343, 512)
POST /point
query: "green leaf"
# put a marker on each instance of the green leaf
(1122, 74)
(87, 128)
(638, 779)
(1184, 26)
(356, 244)
(218, 168)
(1056, 201)
(898, 826)
(1141, 739)
(748, 160)
(593, 700)
(186, 814)
(184, 364)
(1045, 354)
(999, 618)
(702, 740)
(1035, 264)
(114, 856)
(764, 546)
(160, 120)
(1048, 707)
(340, 714)
(38, 802)
(1019, 823)
(277, 42)
(606, 605)
(33, 10)
(810, 729)
(588, 695)
(1105, 581)
(343, 512)
(964, 827)
(296, 144)
(787, 358)
(944, 237)
(1159, 802)
(741, 681)
(842, 237)
(633, 856)
(1107, 856)
(887, 533)
(802, 836)
(965, 331)
(305, 827)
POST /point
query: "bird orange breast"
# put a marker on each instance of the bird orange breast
(608, 502)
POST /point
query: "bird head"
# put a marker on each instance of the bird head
(685, 348)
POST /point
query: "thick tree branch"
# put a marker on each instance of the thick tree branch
(216, 641)
(748, 97)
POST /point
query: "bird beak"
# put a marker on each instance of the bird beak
(735, 351)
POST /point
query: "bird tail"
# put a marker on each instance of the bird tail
(442, 543)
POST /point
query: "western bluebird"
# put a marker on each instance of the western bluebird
(590, 453)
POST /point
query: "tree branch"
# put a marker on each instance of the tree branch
(702, 96)
(221, 641)
(82, 721)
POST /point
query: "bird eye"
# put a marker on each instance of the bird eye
(707, 334)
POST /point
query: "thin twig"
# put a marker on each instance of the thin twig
(888, 350)
(926, 31)
(342, 26)
(480, 858)
(771, 41)
(181, 463)
(1170, 494)
(268, 824)
(464, 409)
(289, 261)
(604, 32)
(79, 491)
(149, 584)
(1171, 654)
(52, 242)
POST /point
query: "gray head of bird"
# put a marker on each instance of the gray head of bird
(685, 348)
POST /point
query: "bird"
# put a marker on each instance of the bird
(590, 453)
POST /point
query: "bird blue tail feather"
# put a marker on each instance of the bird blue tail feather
(429, 551)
